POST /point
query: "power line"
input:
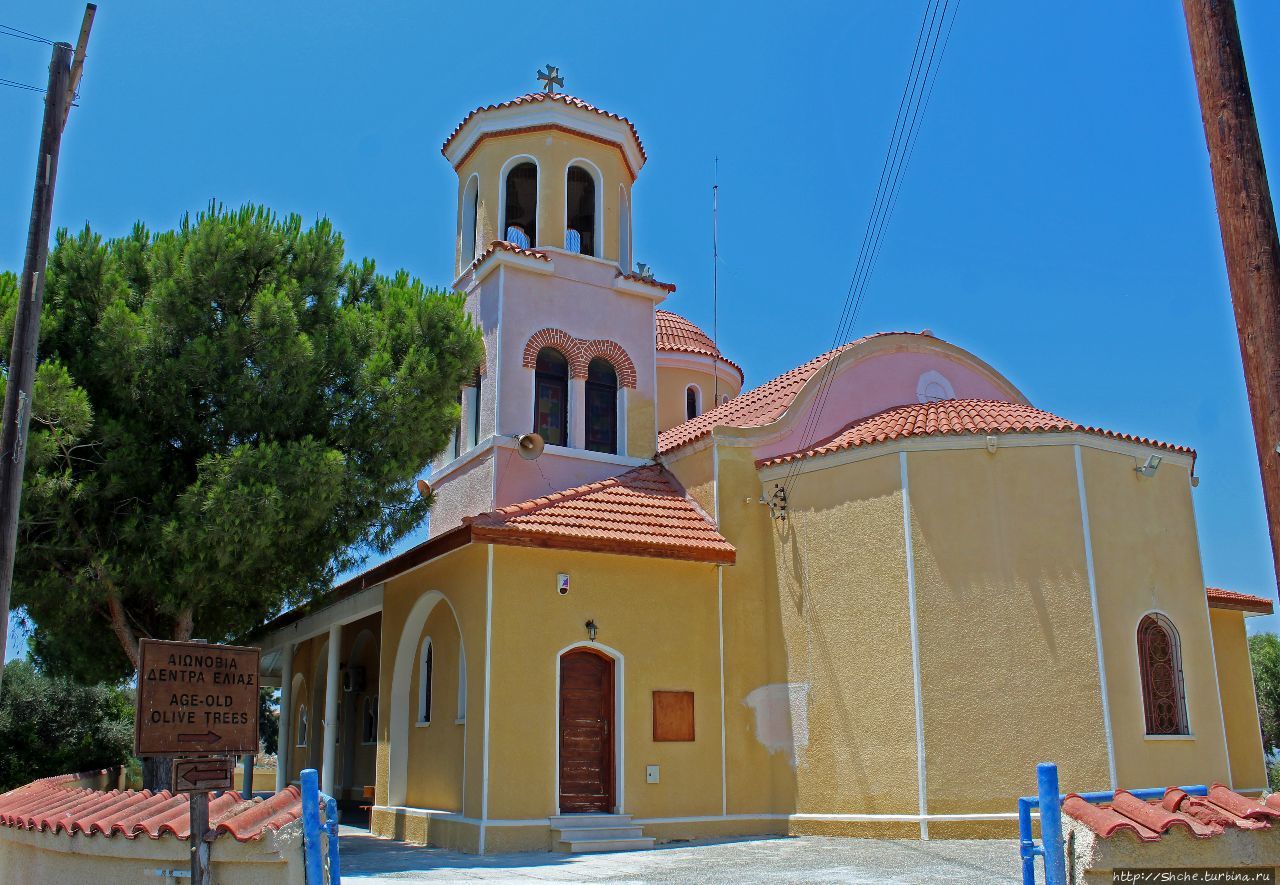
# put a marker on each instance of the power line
(11, 31)
(16, 85)
(931, 45)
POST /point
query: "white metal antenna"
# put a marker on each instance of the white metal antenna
(715, 284)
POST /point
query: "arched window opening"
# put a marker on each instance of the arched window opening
(551, 397)
(470, 220)
(424, 683)
(624, 229)
(520, 219)
(302, 725)
(1160, 662)
(580, 211)
(692, 402)
(457, 431)
(602, 407)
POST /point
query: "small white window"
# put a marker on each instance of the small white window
(424, 683)
(302, 725)
(933, 387)
(692, 402)
(369, 729)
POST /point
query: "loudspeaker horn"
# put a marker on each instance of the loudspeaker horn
(530, 445)
(424, 488)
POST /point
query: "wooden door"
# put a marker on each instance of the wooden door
(586, 732)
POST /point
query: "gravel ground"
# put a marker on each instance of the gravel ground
(366, 859)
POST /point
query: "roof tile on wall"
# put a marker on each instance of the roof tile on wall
(1201, 817)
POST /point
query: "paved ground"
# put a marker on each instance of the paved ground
(806, 859)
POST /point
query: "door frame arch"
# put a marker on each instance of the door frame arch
(619, 707)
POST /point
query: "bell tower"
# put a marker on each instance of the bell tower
(544, 256)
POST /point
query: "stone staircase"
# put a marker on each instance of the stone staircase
(579, 833)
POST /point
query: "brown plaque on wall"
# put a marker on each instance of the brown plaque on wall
(673, 715)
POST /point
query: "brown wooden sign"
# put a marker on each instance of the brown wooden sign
(196, 699)
(203, 775)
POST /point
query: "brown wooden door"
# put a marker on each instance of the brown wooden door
(586, 732)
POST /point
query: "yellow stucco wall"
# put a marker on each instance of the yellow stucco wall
(1008, 665)
(460, 577)
(1239, 702)
(641, 439)
(846, 629)
(553, 151)
(1146, 557)
(673, 381)
(658, 617)
(435, 748)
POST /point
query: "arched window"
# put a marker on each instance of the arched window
(424, 683)
(470, 220)
(520, 216)
(692, 402)
(602, 407)
(551, 397)
(580, 210)
(1160, 662)
(302, 725)
(457, 431)
(624, 229)
(475, 410)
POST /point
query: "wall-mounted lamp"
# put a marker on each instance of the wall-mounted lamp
(591, 630)
(1149, 468)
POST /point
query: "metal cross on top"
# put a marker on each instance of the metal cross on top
(551, 78)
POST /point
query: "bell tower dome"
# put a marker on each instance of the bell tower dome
(543, 257)
(545, 170)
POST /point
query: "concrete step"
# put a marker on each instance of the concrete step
(583, 846)
(592, 834)
(570, 821)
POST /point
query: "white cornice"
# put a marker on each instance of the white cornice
(669, 359)
(945, 442)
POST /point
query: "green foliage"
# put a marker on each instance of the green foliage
(1264, 655)
(51, 725)
(226, 415)
(268, 721)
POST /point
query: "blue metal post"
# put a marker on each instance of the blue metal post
(331, 825)
(1027, 847)
(311, 827)
(1055, 861)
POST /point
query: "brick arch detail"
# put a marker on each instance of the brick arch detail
(616, 356)
(562, 341)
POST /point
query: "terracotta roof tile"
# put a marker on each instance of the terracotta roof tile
(504, 246)
(1202, 818)
(956, 416)
(1231, 600)
(649, 281)
(675, 334)
(48, 805)
(643, 512)
(538, 97)
(755, 408)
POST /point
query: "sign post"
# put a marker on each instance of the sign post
(197, 703)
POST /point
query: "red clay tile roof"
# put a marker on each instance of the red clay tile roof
(504, 246)
(955, 416)
(675, 334)
(636, 278)
(1201, 818)
(47, 805)
(535, 97)
(755, 408)
(643, 512)
(1229, 599)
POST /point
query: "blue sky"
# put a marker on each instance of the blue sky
(1057, 218)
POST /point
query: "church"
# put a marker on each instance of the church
(863, 598)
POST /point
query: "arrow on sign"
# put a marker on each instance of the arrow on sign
(205, 738)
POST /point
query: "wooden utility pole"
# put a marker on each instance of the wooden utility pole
(26, 328)
(1248, 224)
